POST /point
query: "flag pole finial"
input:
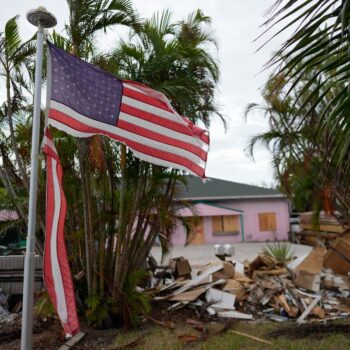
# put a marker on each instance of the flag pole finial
(41, 17)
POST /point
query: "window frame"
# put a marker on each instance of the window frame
(267, 221)
(222, 231)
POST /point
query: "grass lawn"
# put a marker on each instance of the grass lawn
(154, 337)
(158, 338)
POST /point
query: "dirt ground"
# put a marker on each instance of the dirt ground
(48, 336)
(181, 335)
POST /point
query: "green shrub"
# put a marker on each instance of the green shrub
(280, 251)
(43, 306)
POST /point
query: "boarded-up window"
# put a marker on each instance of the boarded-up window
(267, 222)
(227, 224)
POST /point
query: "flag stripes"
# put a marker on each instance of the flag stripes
(57, 275)
(178, 153)
(88, 127)
(86, 101)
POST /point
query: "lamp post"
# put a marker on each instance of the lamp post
(42, 19)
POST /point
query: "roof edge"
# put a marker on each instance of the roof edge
(232, 197)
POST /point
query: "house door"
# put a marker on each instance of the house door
(197, 234)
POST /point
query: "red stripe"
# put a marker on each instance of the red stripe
(145, 99)
(197, 131)
(162, 155)
(122, 124)
(71, 325)
(48, 279)
(155, 119)
(50, 152)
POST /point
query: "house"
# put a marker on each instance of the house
(229, 212)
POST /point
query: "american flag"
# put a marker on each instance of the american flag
(57, 274)
(85, 101)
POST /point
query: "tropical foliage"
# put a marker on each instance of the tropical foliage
(307, 101)
(118, 206)
(281, 252)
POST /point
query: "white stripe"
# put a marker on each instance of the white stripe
(56, 271)
(68, 129)
(48, 142)
(137, 154)
(165, 99)
(125, 134)
(133, 87)
(158, 112)
(152, 109)
(162, 130)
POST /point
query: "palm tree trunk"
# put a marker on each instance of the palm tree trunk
(81, 155)
(10, 190)
(121, 226)
(21, 169)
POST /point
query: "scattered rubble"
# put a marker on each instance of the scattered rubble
(303, 290)
(319, 227)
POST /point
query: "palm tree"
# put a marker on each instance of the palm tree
(87, 18)
(319, 43)
(299, 153)
(118, 205)
(160, 57)
(171, 58)
(15, 55)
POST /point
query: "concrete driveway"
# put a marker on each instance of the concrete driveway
(199, 255)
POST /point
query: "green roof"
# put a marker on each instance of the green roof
(213, 188)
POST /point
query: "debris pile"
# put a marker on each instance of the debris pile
(304, 289)
(315, 227)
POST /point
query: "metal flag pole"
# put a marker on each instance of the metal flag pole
(41, 19)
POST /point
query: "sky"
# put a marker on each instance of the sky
(235, 24)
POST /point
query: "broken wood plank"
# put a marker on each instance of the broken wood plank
(165, 324)
(235, 314)
(251, 337)
(72, 341)
(195, 282)
(279, 271)
(309, 309)
(190, 295)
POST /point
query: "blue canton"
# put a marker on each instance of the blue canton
(85, 88)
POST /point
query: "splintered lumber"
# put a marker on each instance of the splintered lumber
(197, 280)
(190, 295)
(322, 235)
(236, 288)
(235, 314)
(72, 341)
(279, 271)
(307, 273)
(324, 228)
(309, 309)
(165, 324)
(262, 261)
(251, 337)
(338, 256)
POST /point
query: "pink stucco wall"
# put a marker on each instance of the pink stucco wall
(251, 208)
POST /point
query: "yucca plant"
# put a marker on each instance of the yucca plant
(281, 252)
